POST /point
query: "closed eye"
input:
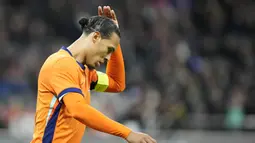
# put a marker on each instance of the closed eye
(111, 50)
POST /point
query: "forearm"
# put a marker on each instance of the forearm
(93, 118)
(116, 72)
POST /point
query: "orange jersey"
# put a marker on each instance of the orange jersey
(62, 75)
(53, 123)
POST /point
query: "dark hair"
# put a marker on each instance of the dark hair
(101, 24)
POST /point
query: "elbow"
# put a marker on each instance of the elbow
(75, 114)
(116, 86)
(78, 115)
(121, 87)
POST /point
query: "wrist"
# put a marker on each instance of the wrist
(126, 132)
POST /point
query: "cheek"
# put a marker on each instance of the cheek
(93, 54)
(104, 52)
(100, 54)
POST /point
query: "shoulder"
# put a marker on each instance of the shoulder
(58, 60)
(59, 64)
(65, 63)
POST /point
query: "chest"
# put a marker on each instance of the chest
(84, 83)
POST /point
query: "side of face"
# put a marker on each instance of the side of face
(101, 49)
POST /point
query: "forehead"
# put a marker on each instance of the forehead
(113, 41)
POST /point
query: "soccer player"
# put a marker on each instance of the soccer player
(63, 103)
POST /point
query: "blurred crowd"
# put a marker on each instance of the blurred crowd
(189, 63)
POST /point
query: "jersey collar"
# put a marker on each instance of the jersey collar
(80, 64)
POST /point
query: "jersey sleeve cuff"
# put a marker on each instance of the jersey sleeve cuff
(102, 82)
(68, 90)
(126, 133)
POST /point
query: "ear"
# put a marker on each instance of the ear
(96, 37)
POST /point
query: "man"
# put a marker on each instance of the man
(63, 109)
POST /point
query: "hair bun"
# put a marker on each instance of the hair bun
(84, 22)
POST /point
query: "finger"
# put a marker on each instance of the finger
(109, 12)
(143, 141)
(109, 7)
(104, 8)
(149, 140)
(152, 139)
(113, 15)
(106, 11)
(100, 11)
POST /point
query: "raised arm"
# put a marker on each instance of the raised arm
(114, 79)
(115, 71)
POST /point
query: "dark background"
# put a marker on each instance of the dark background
(189, 63)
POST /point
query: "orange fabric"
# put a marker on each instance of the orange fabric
(93, 118)
(61, 76)
(116, 72)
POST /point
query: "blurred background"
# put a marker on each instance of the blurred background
(189, 66)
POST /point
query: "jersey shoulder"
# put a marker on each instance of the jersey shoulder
(57, 62)
(60, 59)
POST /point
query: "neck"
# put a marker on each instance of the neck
(78, 49)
